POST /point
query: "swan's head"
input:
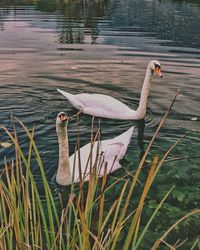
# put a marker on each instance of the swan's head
(62, 119)
(155, 66)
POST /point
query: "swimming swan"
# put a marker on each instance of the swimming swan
(109, 107)
(109, 154)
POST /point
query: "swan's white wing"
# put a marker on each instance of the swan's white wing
(89, 100)
(108, 153)
(111, 157)
(115, 149)
(104, 156)
(124, 137)
(85, 161)
(99, 105)
(72, 99)
(102, 106)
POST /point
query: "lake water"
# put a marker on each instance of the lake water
(104, 47)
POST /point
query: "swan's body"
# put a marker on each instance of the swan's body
(108, 152)
(108, 107)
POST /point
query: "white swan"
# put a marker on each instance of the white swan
(109, 107)
(108, 155)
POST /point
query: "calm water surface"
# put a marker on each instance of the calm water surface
(104, 47)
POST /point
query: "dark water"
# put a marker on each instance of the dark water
(104, 47)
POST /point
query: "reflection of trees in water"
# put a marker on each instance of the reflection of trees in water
(177, 21)
(81, 19)
(48, 5)
(173, 20)
(8, 3)
(70, 32)
(76, 18)
(3, 14)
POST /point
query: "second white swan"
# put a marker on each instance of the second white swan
(108, 107)
(108, 155)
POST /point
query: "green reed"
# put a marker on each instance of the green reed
(83, 222)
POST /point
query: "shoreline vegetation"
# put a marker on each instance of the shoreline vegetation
(82, 220)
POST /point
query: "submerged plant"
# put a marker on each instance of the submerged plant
(83, 220)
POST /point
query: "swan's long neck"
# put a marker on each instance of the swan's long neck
(144, 94)
(64, 176)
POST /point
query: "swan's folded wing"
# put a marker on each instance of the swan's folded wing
(112, 153)
(72, 99)
(114, 150)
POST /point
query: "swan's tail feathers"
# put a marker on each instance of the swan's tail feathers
(125, 137)
(128, 134)
(118, 147)
(66, 94)
(72, 99)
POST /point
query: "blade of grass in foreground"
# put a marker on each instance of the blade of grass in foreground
(156, 171)
(50, 201)
(44, 220)
(101, 205)
(151, 219)
(196, 243)
(124, 209)
(161, 239)
(133, 229)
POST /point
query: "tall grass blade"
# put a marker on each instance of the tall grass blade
(35, 188)
(151, 219)
(157, 243)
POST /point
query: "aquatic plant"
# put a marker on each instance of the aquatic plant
(82, 220)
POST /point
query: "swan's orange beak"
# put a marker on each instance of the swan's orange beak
(158, 71)
(63, 117)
